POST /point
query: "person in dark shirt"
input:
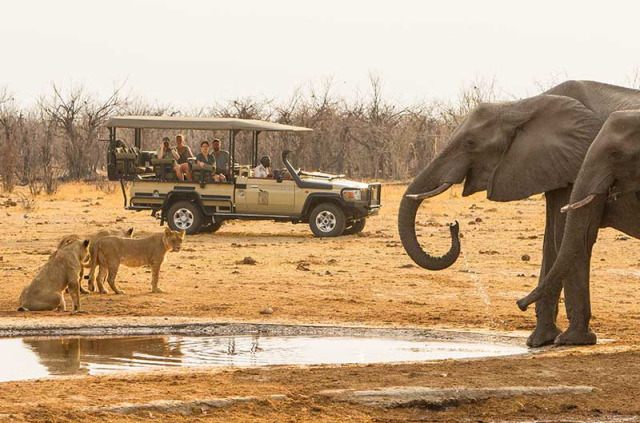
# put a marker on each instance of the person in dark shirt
(222, 160)
(181, 153)
(205, 159)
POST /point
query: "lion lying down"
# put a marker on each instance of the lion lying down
(61, 271)
(112, 251)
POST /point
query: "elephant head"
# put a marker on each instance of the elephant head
(512, 150)
(611, 163)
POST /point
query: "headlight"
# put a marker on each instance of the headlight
(352, 195)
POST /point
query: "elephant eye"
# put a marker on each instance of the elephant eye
(615, 155)
(470, 143)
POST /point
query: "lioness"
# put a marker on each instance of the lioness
(61, 271)
(112, 251)
(124, 233)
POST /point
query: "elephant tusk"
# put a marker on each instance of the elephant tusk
(581, 203)
(442, 188)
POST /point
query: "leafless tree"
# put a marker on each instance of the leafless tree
(80, 115)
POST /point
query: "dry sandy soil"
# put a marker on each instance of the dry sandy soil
(353, 280)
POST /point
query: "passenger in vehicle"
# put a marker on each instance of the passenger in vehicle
(182, 153)
(263, 170)
(164, 151)
(222, 160)
(204, 159)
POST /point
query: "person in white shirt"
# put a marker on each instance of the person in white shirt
(263, 169)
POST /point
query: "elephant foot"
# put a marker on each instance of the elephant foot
(83, 291)
(576, 337)
(545, 335)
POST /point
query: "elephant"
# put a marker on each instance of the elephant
(513, 150)
(606, 193)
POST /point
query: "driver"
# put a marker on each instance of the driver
(263, 170)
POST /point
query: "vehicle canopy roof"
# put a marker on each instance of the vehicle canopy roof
(200, 123)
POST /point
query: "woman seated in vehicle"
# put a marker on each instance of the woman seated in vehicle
(182, 153)
(164, 151)
(206, 161)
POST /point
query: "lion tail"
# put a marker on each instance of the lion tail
(23, 309)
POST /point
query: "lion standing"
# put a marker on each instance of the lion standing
(123, 233)
(112, 251)
(61, 271)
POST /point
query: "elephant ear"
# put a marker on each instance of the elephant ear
(551, 136)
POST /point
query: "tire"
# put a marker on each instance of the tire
(184, 216)
(355, 227)
(211, 227)
(327, 220)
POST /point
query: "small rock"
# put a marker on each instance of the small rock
(304, 266)
(473, 222)
(525, 257)
(406, 266)
(478, 220)
(488, 252)
(267, 310)
(247, 260)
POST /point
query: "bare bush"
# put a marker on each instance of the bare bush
(28, 203)
(364, 136)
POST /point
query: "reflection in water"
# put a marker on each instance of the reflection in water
(30, 358)
(63, 356)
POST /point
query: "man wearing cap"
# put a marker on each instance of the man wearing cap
(263, 169)
(222, 159)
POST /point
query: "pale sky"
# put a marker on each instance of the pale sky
(196, 52)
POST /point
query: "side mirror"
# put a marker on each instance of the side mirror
(277, 174)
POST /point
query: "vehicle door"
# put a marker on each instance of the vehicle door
(267, 196)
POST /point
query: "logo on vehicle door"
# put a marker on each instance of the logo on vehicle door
(263, 198)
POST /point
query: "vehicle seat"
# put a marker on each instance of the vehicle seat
(163, 168)
(201, 174)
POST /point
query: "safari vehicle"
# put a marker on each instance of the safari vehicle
(330, 204)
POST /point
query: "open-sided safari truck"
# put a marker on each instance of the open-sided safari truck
(332, 205)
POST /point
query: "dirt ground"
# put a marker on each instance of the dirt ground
(353, 280)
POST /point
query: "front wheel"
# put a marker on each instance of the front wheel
(327, 220)
(184, 216)
(355, 227)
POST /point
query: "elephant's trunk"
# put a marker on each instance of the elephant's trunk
(573, 243)
(583, 220)
(407, 230)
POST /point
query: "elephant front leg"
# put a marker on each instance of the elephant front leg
(546, 330)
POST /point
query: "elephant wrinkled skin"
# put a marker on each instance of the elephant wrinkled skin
(605, 194)
(514, 150)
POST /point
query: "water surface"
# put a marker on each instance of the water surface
(38, 357)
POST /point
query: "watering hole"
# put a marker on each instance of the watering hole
(38, 357)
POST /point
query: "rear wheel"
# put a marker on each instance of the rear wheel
(184, 216)
(355, 227)
(210, 226)
(327, 220)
